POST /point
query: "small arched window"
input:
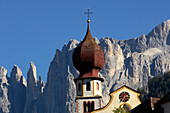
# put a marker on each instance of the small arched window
(97, 86)
(88, 86)
(79, 87)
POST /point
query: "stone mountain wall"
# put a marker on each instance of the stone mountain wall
(128, 62)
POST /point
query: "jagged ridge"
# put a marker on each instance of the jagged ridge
(128, 62)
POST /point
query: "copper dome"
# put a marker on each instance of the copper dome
(88, 57)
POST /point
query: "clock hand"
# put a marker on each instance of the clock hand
(124, 97)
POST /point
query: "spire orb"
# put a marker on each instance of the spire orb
(88, 21)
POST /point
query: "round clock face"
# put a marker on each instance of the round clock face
(124, 96)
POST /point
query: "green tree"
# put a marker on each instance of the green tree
(120, 110)
(158, 86)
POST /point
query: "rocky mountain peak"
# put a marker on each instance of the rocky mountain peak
(16, 75)
(4, 102)
(3, 75)
(34, 88)
(17, 90)
(159, 36)
(32, 74)
(72, 44)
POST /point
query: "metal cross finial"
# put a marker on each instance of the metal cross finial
(88, 13)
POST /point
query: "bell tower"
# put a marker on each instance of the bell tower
(88, 59)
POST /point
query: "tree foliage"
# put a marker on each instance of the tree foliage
(157, 86)
(120, 110)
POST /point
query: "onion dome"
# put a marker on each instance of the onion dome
(88, 58)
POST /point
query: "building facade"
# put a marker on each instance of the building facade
(124, 97)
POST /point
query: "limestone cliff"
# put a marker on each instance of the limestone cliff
(17, 90)
(4, 101)
(127, 62)
(34, 88)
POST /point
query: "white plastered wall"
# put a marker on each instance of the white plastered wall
(85, 92)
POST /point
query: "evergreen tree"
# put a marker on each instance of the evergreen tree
(158, 86)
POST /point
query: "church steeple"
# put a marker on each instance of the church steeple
(88, 59)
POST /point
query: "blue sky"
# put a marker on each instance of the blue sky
(32, 30)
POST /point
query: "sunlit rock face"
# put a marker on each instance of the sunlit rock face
(17, 89)
(56, 98)
(127, 62)
(34, 88)
(4, 101)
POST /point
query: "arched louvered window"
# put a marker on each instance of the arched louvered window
(79, 87)
(97, 86)
(88, 86)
